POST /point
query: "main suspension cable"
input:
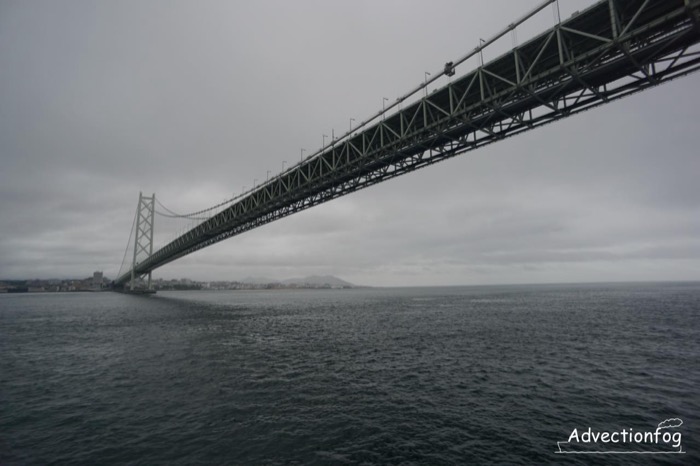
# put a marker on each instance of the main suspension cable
(192, 215)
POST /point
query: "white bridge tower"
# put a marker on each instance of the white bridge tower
(143, 243)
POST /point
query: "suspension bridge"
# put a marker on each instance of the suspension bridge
(610, 50)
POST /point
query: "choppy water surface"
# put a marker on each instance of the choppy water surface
(368, 376)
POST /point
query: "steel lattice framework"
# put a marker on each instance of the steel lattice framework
(613, 49)
(143, 243)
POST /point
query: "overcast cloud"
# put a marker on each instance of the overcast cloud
(195, 100)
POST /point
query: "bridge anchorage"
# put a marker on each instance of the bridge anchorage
(613, 49)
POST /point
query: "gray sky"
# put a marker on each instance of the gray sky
(195, 100)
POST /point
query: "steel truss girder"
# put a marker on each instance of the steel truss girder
(613, 49)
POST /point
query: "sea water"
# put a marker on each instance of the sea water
(375, 376)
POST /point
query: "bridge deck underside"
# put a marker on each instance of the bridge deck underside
(613, 49)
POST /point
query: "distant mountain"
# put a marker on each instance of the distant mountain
(314, 281)
(319, 281)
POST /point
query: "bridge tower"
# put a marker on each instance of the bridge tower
(143, 243)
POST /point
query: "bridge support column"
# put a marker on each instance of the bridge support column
(143, 243)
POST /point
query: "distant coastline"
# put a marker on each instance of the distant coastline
(92, 284)
(258, 283)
